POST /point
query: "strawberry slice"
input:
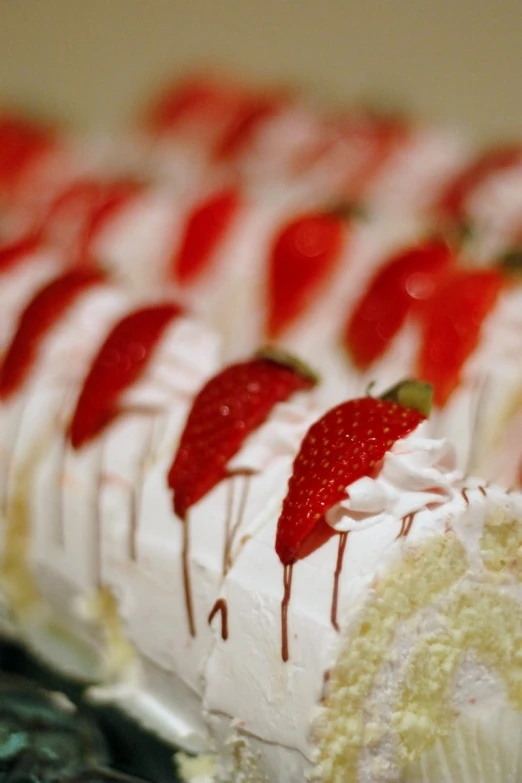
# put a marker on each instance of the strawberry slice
(18, 250)
(44, 310)
(379, 136)
(452, 203)
(347, 443)
(228, 408)
(452, 326)
(252, 115)
(206, 227)
(404, 282)
(304, 254)
(120, 362)
(86, 206)
(22, 144)
(200, 100)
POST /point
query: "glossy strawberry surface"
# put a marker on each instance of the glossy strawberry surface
(347, 443)
(227, 409)
(397, 290)
(120, 362)
(206, 227)
(45, 309)
(452, 326)
(303, 256)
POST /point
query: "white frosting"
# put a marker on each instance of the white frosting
(280, 436)
(415, 175)
(230, 514)
(416, 472)
(18, 285)
(44, 406)
(491, 380)
(138, 243)
(496, 209)
(280, 143)
(115, 509)
(317, 336)
(128, 538)
(272, 703)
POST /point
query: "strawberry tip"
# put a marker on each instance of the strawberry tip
(279, 356)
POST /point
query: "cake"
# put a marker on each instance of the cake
(227, 505)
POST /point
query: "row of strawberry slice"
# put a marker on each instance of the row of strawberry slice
(305, 252)
(449, 303)
(230, 115)
(424, 283)
(230, 406)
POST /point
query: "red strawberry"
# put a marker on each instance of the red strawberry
(347, 443)
(121, 360)
(304, 254)
(48, 305)
(253, 114)
(453, 323)
(408, 279)
(452, 203)
(379, 137)
(21, 145)
(199, 100)
(86, 205)
(18, 250)
(228, 408)
(205, 229)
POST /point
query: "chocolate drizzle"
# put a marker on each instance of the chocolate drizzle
(287, 582)
(406, 524)
(186, 577)
(231, 530)
(481, 488)
(337, 573)
(220, 606)
(228, 524)
(136, 494)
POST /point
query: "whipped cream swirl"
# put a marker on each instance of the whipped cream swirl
(417, 472)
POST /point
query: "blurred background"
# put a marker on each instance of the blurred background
(93, 61)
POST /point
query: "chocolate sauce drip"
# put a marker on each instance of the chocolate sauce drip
(464, 493)
(136, 494)
(326, 679)
(287, 582)
(228, 525)
(231, 530)
(406, 524)
(220, 606)
(186, 578)
(337, 573)
(482, 491)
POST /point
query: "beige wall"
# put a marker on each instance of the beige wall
(458, 60)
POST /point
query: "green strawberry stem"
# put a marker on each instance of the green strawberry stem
(511, 262)
(349, 210)
(279, 356)
(410, 393)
